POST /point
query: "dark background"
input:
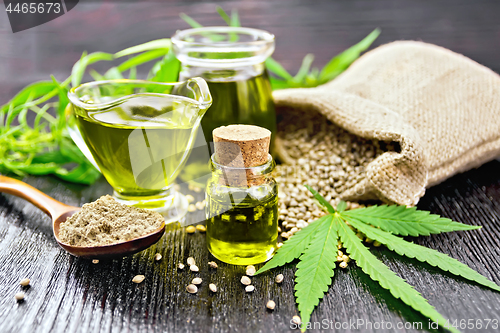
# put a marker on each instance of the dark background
(73, 295)
(323, 28)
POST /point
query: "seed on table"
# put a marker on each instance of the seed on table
(19, 296)
(180, 266)
(191, 261)
(197, 280)
(368, 240)
(246, 280)
(189, 198)
(194, 268)
(24, 282)
(340, 253)
(197, 189)
(200, 205)
(191, 229)
(339, 259)
(192, 289)
(158, 256)
(271, 305)
(279, 245)
(95, 261)
(201, 228)
(249, 289)
(250, 270)
(296, 320)
(376, 243)
(343, 264)
(345, 258)
(212, 287)
(279, 278)
(212, 264)
(138, 278)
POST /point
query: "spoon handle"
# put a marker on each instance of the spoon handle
(20, 189)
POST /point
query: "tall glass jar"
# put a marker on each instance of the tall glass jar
(231, 60)
(242, 213)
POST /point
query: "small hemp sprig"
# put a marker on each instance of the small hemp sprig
(316, 247)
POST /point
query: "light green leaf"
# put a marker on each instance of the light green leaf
(315, 269)
(402, 220)
(132, 73)
(294, 247)
(235, 19)
(82, 174)
(81, 65)
(424, 254)
(341, 206)
(96, 75)
(189, 20)
(167, 69)
(142, 59)
(275, 67)
(277, 84)
(321, 201)
(223, 14)
(304, 68)
(157, 44)
(31, 91)
(339, 63)
(113, 74)
(385, 277)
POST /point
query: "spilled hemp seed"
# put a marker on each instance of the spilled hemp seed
(24, 282)
(250, 271)
(138, 278)
(19, 296)
(249, 289)
(270, 305)
(192, 289)
(324, 156)
(245, 280)
(212, 287)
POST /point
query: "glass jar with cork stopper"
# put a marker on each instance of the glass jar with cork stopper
(242, 196)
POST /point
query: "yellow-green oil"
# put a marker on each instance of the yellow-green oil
(246, 100)
(138, 151)
(242, 233)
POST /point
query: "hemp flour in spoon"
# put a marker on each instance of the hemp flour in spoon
(106, 221)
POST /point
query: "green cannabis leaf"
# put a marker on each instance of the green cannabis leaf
(316, 248)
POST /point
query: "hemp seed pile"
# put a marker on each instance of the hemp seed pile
(106, 221)
(324, 156)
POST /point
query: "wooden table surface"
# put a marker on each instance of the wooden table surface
(68, 294)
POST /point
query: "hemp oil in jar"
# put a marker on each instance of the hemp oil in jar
(242, 196)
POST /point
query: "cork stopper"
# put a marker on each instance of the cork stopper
(241, 145)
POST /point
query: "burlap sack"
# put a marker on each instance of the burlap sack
(442, 107)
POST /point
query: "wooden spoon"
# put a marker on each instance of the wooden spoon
(59, 212)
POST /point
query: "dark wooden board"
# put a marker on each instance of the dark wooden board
(68, 294)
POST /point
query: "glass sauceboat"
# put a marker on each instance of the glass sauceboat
(139, 134)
